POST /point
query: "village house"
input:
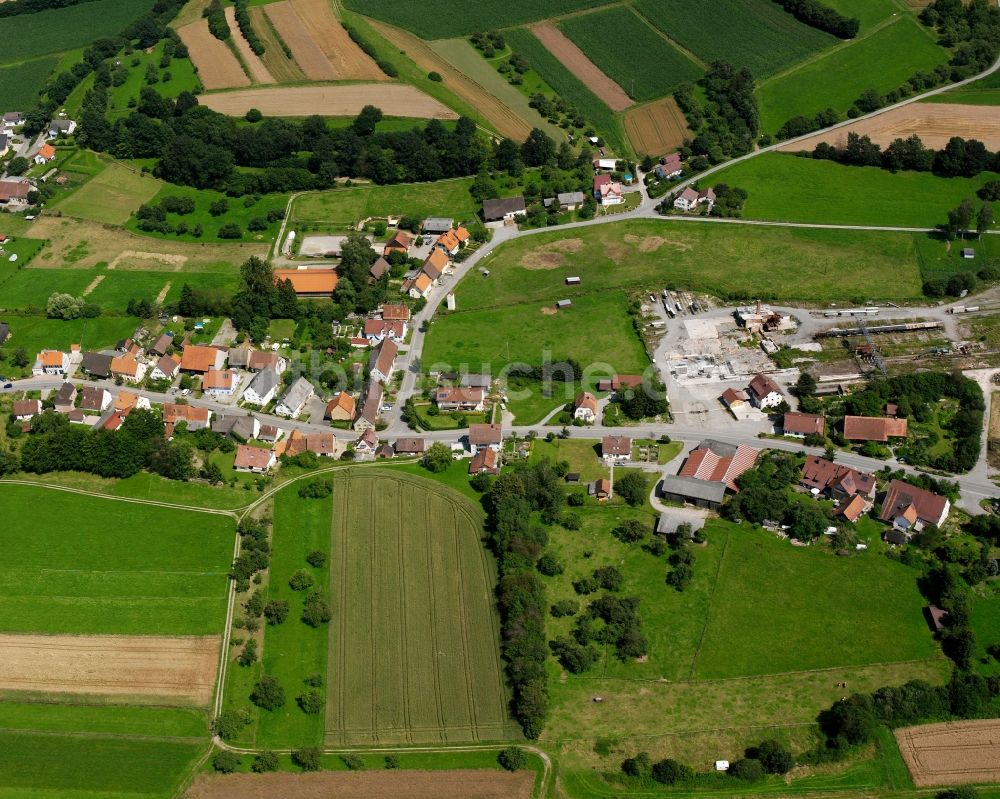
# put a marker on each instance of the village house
(127, 368)
(418, 287)
(239, 356)
(45, 154)
(451, 241)
(486, 461)
(65, 127)
(608, 191)
(259, 361)
(262, 388)
(26, 409)
(96, 364)
(735, 399)
(194, 418)
(800, 425)
(409, 446)
(436, 225)
(238, 426)
(873, 428)
(65, 398)
(690, 198)
(460, 399)
(10, 121)
(14, 193)
(909, 509)
(379, 269)
(710, 471)
(341, 408)
(600, 489)
(166, 368)
(51, 362)
(162, 344)
(94, 398)
(197, 359)
(371, 406)
(294, 399)
(585, 407)
(382, 361)
(619, 382)
(394, 313)
(485, 436)
(506, 210)
(366, 444)
(616, 449)
(219, 382)
(570, 200)
(400, 242)
(308, 282)
(669, 167)
(764, 392)
(377, 329)
(253, 459)
(853, 491)
(323, 445)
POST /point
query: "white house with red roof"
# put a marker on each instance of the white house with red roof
(608, 191)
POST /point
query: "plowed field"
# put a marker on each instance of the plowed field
(953, 752)
(307, 53)
(257, 69)
(348, 60)
(395, 99)
(217, 66)
(576, 61)
(656, 128)
(129, 666)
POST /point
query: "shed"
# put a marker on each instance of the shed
(573, 281)
(968, 252)
(564, 303)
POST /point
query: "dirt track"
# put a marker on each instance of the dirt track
(952, 753)
(217, 66)
(576, 61)
(257, 69)
(395, 99)
(307, 53)
(466, 784)
(111, 665)
(656, 128)
(348, 60)
(934, 123)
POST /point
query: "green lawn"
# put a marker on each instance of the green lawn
(881, 61)
(109, 719)
(788, 188)
(868, 12)
(986, 625)
(980, 92)
(344, 207)
(183, 78)
(35, 333)
(112, 196)
(70, 570)
(580, 453)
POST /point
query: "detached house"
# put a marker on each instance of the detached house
(616, 449)
(195, 418)
(259, 361)
(670, 167)
(486, 461)
(908, 508)
(262, 388)
(253, 459)
(460, 399)
(868, 428)
(608, 191)
(690, 198)
(371, 406)
(199, 360)
(45, 154)
(96, 365)
(219, 383)
(24, 410)
(801, 425)
(452, 241)
(765, 393)
(128, 368)
(341, 408)
(840, 483)
(382, 361)
(585, 407)
(58, 127)
(166, 368)
(378, 329)
(485, 436)
(294, 399)
(505, 210)
(93, 398)
(51, 362)
(64, 399)
(394, 313)
(400, 242)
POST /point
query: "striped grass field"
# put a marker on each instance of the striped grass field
(414, 640)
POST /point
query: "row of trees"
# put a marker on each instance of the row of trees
(964, 217)
(959, 158)
(768, 757)
(725, 126)
(13, 8)
(819, 15)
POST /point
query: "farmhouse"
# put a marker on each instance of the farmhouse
(378, 329)
(93, 398)
(14, 193)
(669, 167)
(868, 428)
(460, 399)
(394, 313)
(262, 388)
(294, 399)
(485, 436)
(253, 459)
(199, 359)
(65, 398)
(764, 392)
(96, 365)
(259, 361)
(128, 368)
(505, 210)
(195, 418)
(735, 399)
(452, 241)
(51, 362)
(616, 449)
(409, 446)
(608, 191)
(306, 282)
(800, 425)
(400, 242)
(242, 428)
(585, 407)
(371, 406)
(484, 462)
(711, 469)
(570, 200)
(45, 154)
(908, 508)
(25, 409)
(340, 408)
(382, 361)
(219, 382)
(380, 268)
(436, 225)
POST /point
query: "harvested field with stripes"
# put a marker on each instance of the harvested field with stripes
(576, 61)
(258, 72)
(952, 753)
(307, 53)
(278, 63)
(656, 128)
(345, 100)
(216, 64)
(414, 640)
(348, 60)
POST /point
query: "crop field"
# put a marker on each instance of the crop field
(217, 66)
(67, 570)
(790, 188)
(258, 72)
(348, 206)
(565, 83)
(656, 128)
(648, 68)
(307, 53)
(348, 61)
(439, 19)
(414, 640)
(757, 34)
(278, 63)
(111, 196)
(28, 36)
(952, 753)
(881, 61)
(342, 100)
(20, 83)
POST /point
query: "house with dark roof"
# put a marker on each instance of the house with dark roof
(294, 399)
(242, 427)
(94, 398)
(371, 406)
(96, 364)
(436, 225)
(380, 268)
(26, 409)
(764, 392)
(262, 388)
(382, 361)
(65, 398)
(710, 471)
(504, 210)
(409, 446)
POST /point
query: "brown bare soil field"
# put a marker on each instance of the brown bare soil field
(258, 72)
(217, 66)
(934, 123)
(458, 784)
(576, 61)
(952, 753)
(498, 114)
(113, 245)
(111, 665)
(657, 128)
(395, 100)
(349, 61)
(284, 69)
(307, 53)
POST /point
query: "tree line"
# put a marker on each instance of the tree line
(13, 8)
(959, 157)
(821, 16)
(727, 123)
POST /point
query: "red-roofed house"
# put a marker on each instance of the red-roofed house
(484, 462)
(377, 329)
(585, 407)
(908, 508)
(616, 448)
(764, 392)
(253, 459)
(719, 463)
(735, 399)
(870, 428)
(608, 191)
(801, 425)
(400, 242)
(460, 399)
(219, 382)
(836, 481)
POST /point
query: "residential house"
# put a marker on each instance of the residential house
(269, 433)
(254, 459)
(114, 420)
(873, 428)
(14, 193)
(26, 409)
(65, 398)
(341, 408)
(909, 509)
(129, 400)
(418, 287)
(669, 167)
(460, 399)
(436, 225)
(616, 449)
(294, 399)
(735, 399)
(608, 191)
(434, 264)
(380, 268)
(486, 461)
(161, 345)
(45, 154)
(219, 382)
(400, 242)
(505, 210)
(600, 489)
(619, 382)
(194, 418)
(394, 313)
(239, 426)
(366, 444)
(690, 198)
(322, 444)
(378, 329)
(268, 359)
(96, 364)
(166, 368)
(710, 471)
(570, 200)
(475, 381)
(128, 368)
(51, 362)
(837, 481)
(609, 164)
(485, 436)
(409, 446)
(585, 407)
(451, 241)
(371, 406)
(382, 361)
(853, 509)
(94, 398)
(11, 120)
(198, 359)
(308, 282)
(800, 425)
(57, 127)
(764, 392)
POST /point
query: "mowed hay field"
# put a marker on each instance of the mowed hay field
(281, 66)
(347, 59)
(217, 66)
(414, 640)
(656, 128)
(306, 51)
(112, 196)
(952, 753)
(395, 99)
(577, 62)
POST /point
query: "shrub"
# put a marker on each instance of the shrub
(630, 531)
(352, 762)
(638, 766)
(311, 702)
(434, 76)
(609, 578)
(513, 758)
(565, 607)
(276, 611)
(632, 487)
(230, 231)
(229, 723)
(316, 489)
(316, 611)
(268, 693)
(549, 565)
(773, 756)
(748, 769)
(392, 761)
(265, 761)
(316, 558)
(670, 772)
(301, 580)
(225, 762)
(307, 759)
